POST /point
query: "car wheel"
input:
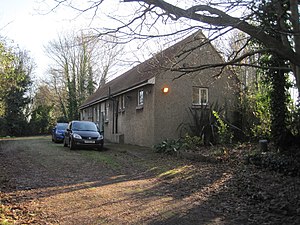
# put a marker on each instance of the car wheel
(65, 144)
(100, 148)
(72, 145)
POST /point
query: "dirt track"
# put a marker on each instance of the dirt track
(45, 183)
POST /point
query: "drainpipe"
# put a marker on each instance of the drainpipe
(113, 106)
(115, 112)
(113, 121)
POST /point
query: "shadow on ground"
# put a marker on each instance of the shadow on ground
(133, 185)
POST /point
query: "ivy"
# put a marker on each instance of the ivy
(224, 133)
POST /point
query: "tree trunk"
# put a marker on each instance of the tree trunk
(278, 108)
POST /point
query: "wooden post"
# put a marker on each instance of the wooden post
(263, 145)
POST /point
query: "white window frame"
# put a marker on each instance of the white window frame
(102, 117)
(94, 114)
(140, 97)
(84, 113)
(98, 113)
(90, 113)
(106, 111)
(121, 102)
(200, 90)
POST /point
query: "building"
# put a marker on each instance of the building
(148, 103)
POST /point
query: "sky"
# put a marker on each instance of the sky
(31, 28)
(28, 24)
(23, 22)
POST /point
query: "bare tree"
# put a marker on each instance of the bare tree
(107, 56)
(79, 63)
(70, 71)
(55, 84)
(218, 17)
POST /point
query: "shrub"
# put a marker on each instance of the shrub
(224, 133)
(191, 142)
(169, 146)
(287, 165)
(294, 119)
(202, 123)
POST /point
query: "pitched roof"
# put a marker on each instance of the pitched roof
(140, 74)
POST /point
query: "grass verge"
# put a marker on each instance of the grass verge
(102, 157)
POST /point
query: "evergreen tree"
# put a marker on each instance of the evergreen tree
(14, 100)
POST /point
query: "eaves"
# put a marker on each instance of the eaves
(150, 81)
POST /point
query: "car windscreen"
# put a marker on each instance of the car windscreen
(62, 126)
(80, 126)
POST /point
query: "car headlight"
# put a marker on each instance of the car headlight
(77, 136)
(100, 137)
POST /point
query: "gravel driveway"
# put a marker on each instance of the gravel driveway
(44, 183)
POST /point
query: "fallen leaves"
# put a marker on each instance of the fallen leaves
(13, 212)
(52, 185)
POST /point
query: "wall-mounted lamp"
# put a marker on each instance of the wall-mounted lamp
(165, 90)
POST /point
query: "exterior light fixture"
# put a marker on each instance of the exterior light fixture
(165, 90)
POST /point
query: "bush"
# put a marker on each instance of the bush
(287, 165)
(224, 133)
(191, 142)
(294, 119)
(169, 146)
(202, 123)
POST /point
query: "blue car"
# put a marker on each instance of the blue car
(58, 132)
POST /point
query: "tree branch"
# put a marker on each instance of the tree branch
(236, 62)
(220, 18)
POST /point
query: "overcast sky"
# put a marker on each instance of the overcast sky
(29, 26)
(23, 22)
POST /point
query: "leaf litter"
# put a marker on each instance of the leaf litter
(44, 183)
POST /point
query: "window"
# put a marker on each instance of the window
(121, 102)
(140, 97)
(106, 111)
(102, 111)
(98, 113)
(200, 96)
(84, 113)
(90, 113)
(94, 114)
